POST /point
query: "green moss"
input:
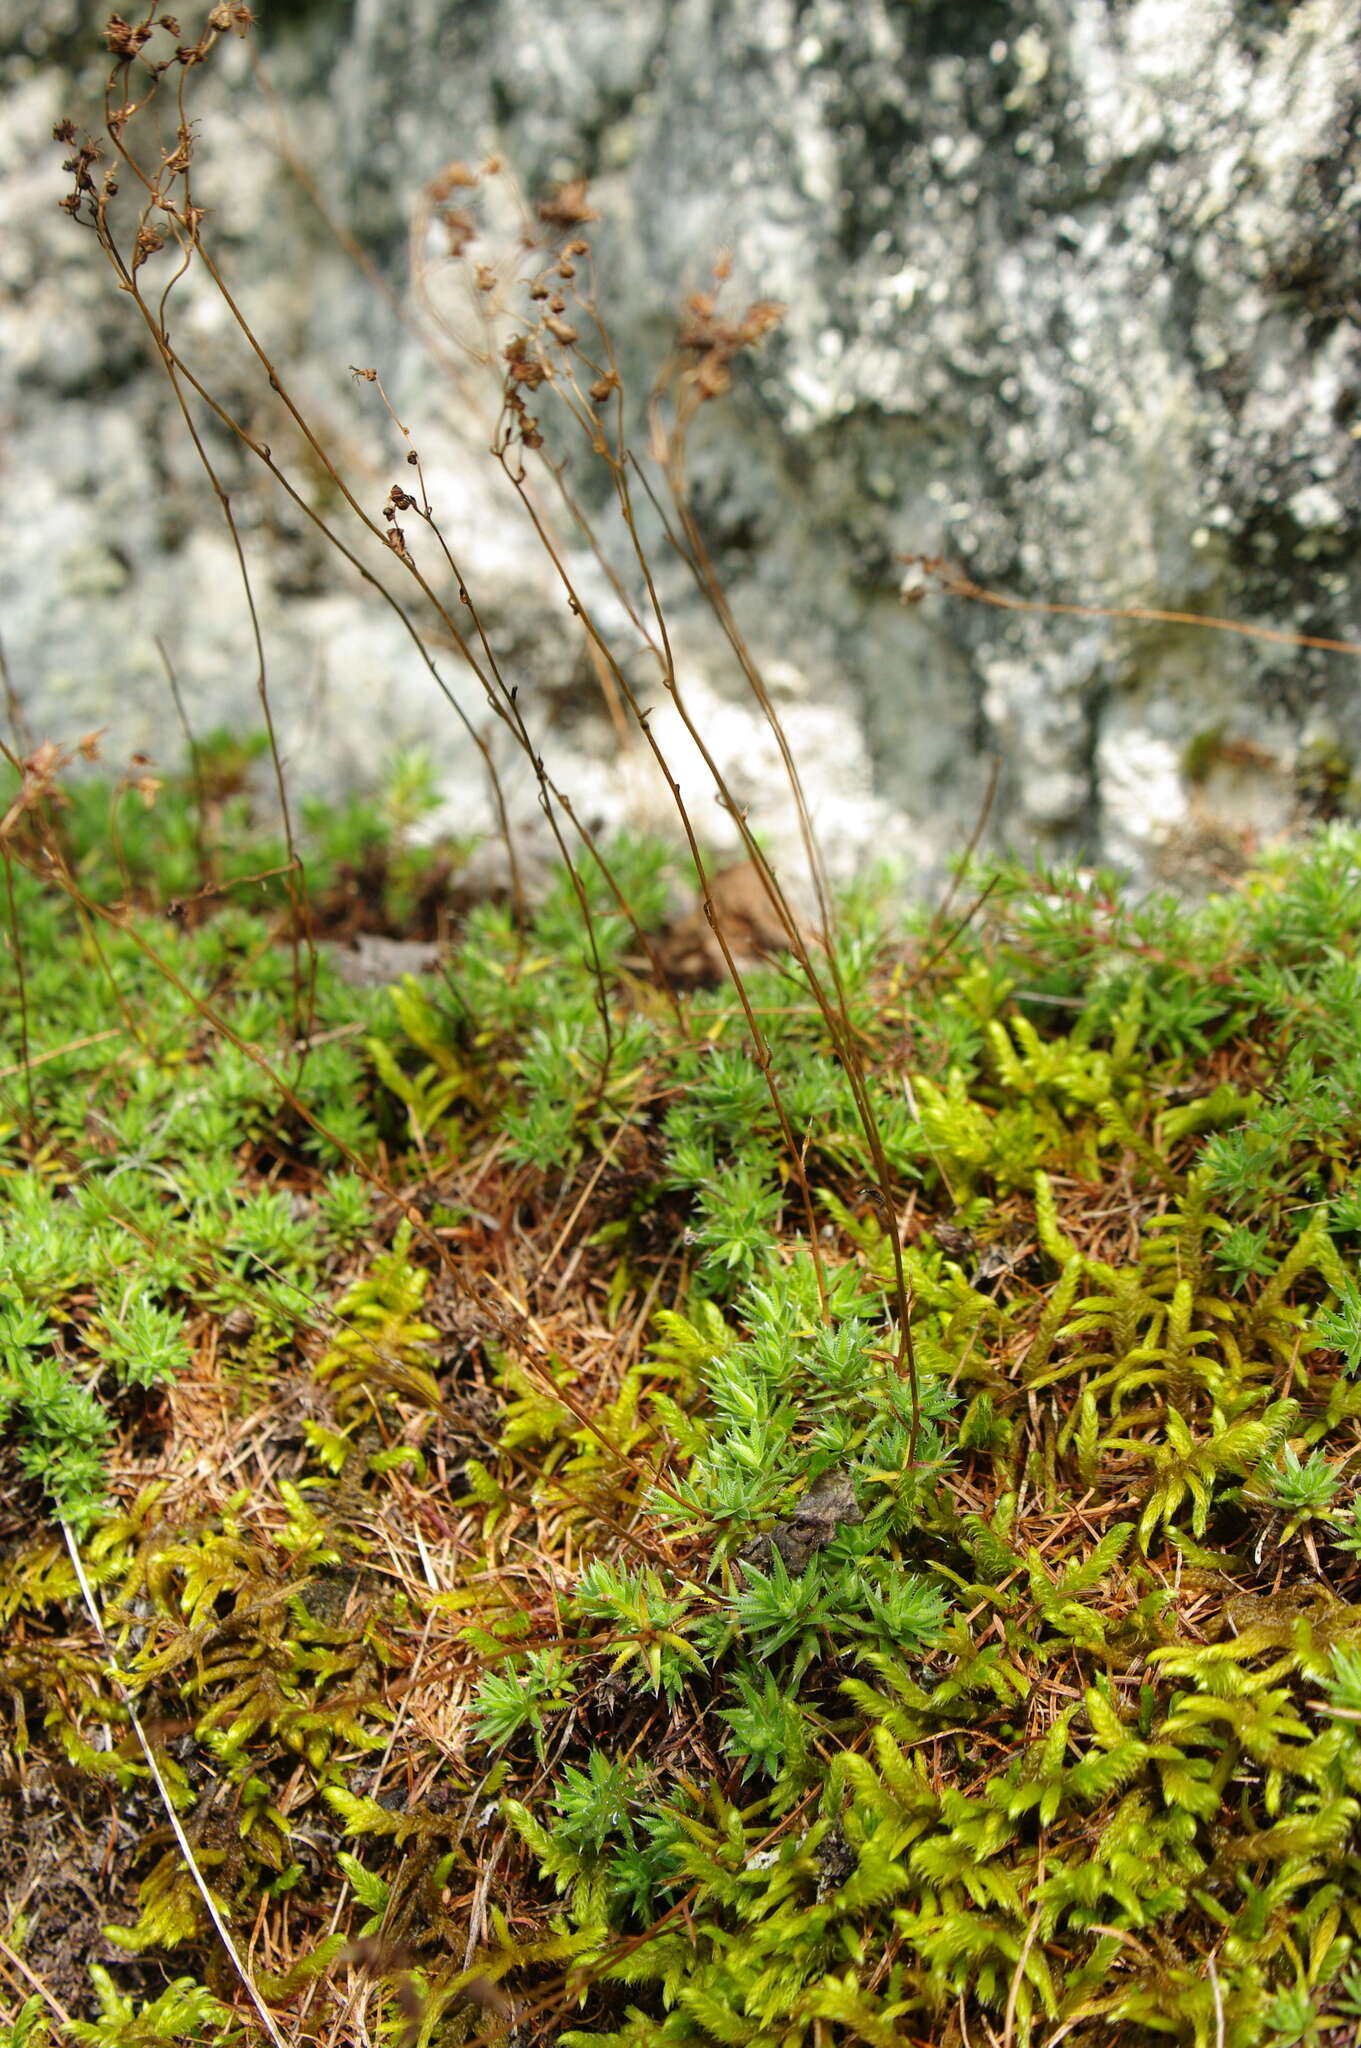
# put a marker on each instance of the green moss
(475, 1462)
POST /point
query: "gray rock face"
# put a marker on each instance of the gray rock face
(1071, 297)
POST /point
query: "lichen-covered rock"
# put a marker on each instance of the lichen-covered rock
(1071, 300)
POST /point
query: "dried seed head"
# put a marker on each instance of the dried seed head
(714, 342)
(523, 367)
(453, 178)
(567, 207)
(123, 39)
(79, 166)
(180, 157)
(148, 241)
(234, 16)
(459, 229)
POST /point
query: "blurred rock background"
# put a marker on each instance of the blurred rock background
(1072, 293)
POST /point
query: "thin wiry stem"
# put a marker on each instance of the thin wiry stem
(214, 1911)
(25, 1043)
(760, 1045)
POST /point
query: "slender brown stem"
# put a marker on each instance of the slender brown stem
(16, 941)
